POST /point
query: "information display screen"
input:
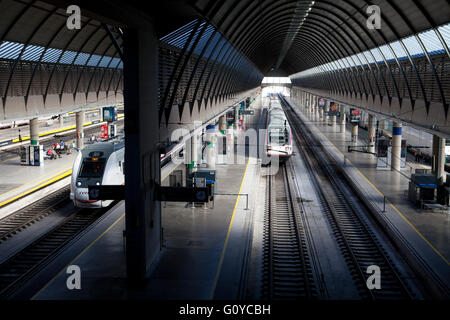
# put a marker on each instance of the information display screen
(109, 114)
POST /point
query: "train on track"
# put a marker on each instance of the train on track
(103, 164)
(279, 135)
(97, 164)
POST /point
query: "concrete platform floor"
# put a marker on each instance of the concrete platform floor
(202, 254)
(434, 226)
(198, 244)
(16, 179)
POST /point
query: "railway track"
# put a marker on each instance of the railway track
(23, 218)
(288, 271)
(354, 234)
(15, 271)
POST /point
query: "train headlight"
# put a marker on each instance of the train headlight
(98, 183)
(78, 183)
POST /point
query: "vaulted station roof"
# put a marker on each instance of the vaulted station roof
(297, 35)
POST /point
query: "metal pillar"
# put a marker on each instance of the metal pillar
(211, 146)
(187, 154)
(79, 118)
(371, 132)
(333, 120)
(142, 154)
(317, 109)
(34, 131)
(61, 120)
(327, 108)
(396, 146)
(438, 163)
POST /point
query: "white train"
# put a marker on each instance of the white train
(97, 164)
(279, 135)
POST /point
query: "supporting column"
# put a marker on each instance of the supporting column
(308, 97)
(211, 146)
(371, 132)
(34, 131)
(142, 154)
(61, 120)
(317, 109)
(79, 118)
(396, 146)
(342, 118)
(438, 160)
(333, 120)
(230, 144)
(196, 150)
(188, 160)
(355, 132)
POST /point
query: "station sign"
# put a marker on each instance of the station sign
(170, 194)
(248, 112)
(355, 115)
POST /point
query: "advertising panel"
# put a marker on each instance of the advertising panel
(104, 131)
(322, 102)
(334, 109)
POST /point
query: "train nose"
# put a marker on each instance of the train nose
(82, 194)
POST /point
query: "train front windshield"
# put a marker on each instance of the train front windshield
(278, 137)
(92, 168)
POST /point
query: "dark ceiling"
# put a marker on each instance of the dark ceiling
(269, 31)
(279, 36)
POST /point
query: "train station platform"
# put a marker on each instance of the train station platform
(424, 233)
(202, 256)
(18, 181)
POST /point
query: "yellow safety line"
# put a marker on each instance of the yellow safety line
(393, 206)
(32, 180)
(59, 177)
(222, 256)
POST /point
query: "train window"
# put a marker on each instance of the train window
(277, 138)
(95, 154)
(92, 169)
